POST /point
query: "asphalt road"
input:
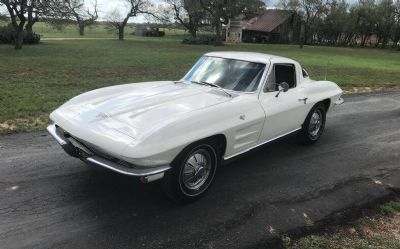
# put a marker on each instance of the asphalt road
(49, 200)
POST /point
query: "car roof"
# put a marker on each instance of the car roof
(246, 56)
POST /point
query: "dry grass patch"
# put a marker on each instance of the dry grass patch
(369, 89)
(375, 231)
(24, 124)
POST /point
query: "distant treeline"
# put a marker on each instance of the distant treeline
(324, 22)
(338, 23)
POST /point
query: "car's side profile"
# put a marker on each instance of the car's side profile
(180, 131)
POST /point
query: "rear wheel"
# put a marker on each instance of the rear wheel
(314, 124)
(193, 172)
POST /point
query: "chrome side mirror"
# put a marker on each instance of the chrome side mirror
(283, 87)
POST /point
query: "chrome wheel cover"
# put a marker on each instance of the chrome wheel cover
(315, 123)
(197, 169)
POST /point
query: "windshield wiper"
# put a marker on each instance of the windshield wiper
(212, 85)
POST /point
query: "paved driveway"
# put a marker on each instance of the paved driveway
(49, 200)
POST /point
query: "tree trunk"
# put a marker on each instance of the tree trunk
(363, 40)
(29, 28)
(395, 42)
(31, 19)
(385, 42)
(193, 32)
(192, 28)
(19, 39)
(121, 30)
(301, 40)
(218, 31)
(81, 29)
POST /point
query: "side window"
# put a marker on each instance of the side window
(281, 73)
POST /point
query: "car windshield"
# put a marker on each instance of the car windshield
(229, 74)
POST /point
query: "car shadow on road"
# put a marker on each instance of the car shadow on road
(125, 211)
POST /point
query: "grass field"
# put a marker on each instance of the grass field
(39, 78)
(94, 31)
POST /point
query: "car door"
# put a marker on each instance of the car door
(285, 111)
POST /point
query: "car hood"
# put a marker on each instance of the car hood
(135, 110)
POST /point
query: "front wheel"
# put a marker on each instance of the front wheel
(192, 173)
(314, 124)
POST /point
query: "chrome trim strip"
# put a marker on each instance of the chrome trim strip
(247, 150)
(125, 170)
(52, 130)
(339, 101)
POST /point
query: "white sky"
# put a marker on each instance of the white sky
(106, 6)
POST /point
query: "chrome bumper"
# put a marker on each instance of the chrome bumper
(151, 173)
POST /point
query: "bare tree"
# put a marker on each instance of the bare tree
(293, 5)
(220, 11)
(162, 14)
(332, 28)
(312, 10)
(115, 20)
(23, 15)
(76, 10)
(188, 13)
(385, 11)
(366, 20)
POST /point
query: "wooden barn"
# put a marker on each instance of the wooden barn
(270, 26)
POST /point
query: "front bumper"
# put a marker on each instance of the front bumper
(77, 149)
(339, 101)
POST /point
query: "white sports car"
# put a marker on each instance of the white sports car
(180, 131)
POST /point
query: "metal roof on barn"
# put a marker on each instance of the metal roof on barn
(268, 21)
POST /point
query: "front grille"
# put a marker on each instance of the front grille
(82, 154)
(105, 155)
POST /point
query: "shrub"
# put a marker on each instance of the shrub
(200, 40)
(391, 208)
(31, 38)
(8, 36)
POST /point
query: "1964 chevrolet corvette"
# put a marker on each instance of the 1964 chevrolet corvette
(180, 131)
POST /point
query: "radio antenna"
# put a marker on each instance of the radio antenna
(326, 68)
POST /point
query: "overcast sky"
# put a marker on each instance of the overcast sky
(106, 6)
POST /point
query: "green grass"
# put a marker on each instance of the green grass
(391, 208)
(377, 229)
(39, 78)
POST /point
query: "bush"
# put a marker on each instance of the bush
(8, 36)
(31, 38)
(200, 40)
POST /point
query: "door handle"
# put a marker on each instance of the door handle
(304, 100)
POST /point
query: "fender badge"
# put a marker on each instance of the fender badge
(102, 116)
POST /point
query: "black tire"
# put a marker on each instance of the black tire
(312, 129)
(174, 184)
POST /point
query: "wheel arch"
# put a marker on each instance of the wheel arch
(327, 103)
(219, 140)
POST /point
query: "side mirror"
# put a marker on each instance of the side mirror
(283, 87)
